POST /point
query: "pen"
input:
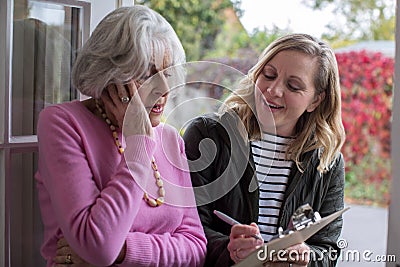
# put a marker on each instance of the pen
(232, 221)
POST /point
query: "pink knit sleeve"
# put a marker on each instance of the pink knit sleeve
(183, 246)
(94, 222)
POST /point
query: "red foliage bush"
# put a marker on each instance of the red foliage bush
(366, 81)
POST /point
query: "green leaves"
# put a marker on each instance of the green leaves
(363, 19)
(196, 22)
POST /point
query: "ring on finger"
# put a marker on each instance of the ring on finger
(125, 99)
(68, 259)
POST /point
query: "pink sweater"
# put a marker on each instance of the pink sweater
(88, 195)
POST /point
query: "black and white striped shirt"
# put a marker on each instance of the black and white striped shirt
(272, 174)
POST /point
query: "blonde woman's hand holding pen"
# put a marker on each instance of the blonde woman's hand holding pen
(243, 239)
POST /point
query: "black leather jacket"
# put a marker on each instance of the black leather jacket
(230, 159)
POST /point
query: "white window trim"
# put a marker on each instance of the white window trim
(393, 238)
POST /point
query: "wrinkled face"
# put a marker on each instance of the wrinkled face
(285, 89)
(154, 93)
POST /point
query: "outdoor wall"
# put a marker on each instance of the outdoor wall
(100, 8)
(393, 245)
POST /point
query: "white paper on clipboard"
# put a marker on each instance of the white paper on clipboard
(258, 257)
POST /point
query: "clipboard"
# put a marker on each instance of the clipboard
(260, 256)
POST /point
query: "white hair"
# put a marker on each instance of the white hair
(122, 47)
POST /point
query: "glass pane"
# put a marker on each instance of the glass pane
(25, 227)
(45, 39)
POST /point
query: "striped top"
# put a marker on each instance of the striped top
(272, 174)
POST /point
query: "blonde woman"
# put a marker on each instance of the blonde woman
(285, 124)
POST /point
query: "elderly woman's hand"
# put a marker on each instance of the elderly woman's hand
(123, 103)
(65, 256)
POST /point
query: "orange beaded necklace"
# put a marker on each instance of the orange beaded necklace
(161, 191)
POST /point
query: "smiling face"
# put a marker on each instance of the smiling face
(285, 88)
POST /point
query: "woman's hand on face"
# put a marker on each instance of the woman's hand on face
(242, 241)
(116, 98)
(132, 116)
(295, 256)
(65, 256)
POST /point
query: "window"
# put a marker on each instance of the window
(39, 41)
(46, 37)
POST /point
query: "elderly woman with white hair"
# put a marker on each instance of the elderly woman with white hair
(108, 168)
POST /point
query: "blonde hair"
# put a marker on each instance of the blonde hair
(321, 129)
(123, 46)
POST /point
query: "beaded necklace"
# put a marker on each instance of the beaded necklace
(161, 191)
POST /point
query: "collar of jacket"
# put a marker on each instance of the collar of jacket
(310, 160)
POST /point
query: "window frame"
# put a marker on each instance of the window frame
(9, 144)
